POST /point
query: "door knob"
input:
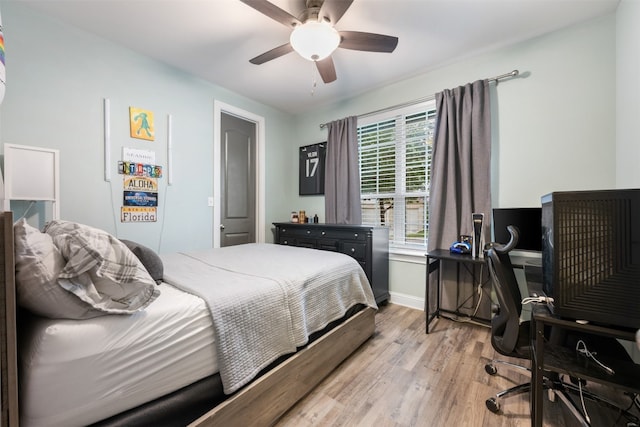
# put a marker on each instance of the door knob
(221, 226)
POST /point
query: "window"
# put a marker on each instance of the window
(395, 164)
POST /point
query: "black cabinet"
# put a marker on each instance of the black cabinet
(368, 245)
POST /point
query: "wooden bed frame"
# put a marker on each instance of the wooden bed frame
(262, 402)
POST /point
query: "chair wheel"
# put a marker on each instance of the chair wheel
(490, 369)
(493, 405)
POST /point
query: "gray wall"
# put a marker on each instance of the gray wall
(628, 94)
(57, 78)
(555, 127)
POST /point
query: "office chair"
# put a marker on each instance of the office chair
(512, 337)
(509, 336)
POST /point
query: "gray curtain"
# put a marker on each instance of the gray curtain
(342, 173)
(461, 171)
(461, 163)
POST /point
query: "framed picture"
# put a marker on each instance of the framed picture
(141, 124)
(311, 175)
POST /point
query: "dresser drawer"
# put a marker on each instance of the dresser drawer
(288, 241)
(304, 242)
(357, 235)
(356, 250)
(328, 245)
(299, 232)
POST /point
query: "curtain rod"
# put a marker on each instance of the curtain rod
(496, 79)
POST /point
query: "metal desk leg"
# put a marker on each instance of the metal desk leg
(537, 363)
(433, 264)
(426, 296)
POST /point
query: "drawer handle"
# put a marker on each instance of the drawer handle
(355, 234)
(286, 242)
(323, 233)
(353, 250)
(308, 231)
(284, 230)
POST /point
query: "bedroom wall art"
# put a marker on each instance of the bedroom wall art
(311, 171)
(141, 124)
(3, 74)
(140, 191)
(140, 185)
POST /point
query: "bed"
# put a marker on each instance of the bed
(275, 322)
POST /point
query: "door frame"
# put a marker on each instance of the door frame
(219, 108)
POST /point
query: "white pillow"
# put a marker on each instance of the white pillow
(101, 270)
(38, 264)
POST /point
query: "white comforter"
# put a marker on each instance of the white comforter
(265, 299)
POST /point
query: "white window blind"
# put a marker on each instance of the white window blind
(395, 164)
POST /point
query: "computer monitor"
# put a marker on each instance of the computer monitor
(527, 220)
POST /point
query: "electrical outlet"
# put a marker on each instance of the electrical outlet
(210, 201)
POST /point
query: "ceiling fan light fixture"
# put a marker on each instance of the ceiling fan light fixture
(314, 40)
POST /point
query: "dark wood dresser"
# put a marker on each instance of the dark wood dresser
(368, 245)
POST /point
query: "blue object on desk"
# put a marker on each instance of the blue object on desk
(460, 248)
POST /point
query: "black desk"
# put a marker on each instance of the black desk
(548, 357)
(434, 258)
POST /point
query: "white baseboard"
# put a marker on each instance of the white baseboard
(406, 300)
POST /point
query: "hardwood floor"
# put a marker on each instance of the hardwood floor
(404, 377)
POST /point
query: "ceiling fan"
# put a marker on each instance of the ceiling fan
(314, 36)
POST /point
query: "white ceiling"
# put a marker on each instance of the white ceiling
(214, 39)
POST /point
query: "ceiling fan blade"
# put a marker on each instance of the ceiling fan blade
(274, 53)
(274, 12)
(369, 42)
(334, 9)
(326, 69)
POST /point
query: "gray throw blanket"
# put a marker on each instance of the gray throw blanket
(265, 299)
